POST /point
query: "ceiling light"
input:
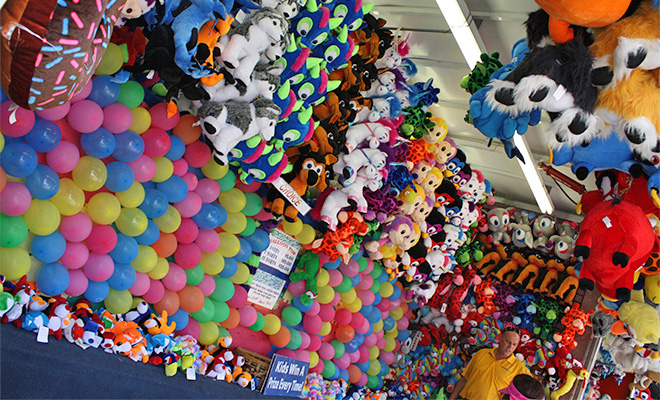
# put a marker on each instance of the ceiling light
(469, 41)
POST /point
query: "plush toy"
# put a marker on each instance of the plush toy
(295, 62)
(498, 225)
(623, 243)
(395, 53)
(335, 50)
(374, 133)
(349, 164)
(313, 25)
(264, 83)
(388, 107)
(574, 322)
(420, 293)
(270, 165)
(638, 320)
(337, 244)
(293, 130)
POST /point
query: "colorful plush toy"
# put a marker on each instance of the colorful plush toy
(335, 50)
(543, 227)
(312, 26)
(293, 130)
(574, 322)
(498, 225)
(270, 165)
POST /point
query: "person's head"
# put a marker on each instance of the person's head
(508, 341)
(523, 387)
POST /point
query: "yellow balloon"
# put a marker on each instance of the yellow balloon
(326, 327)
(378, 326)
(118, 301)
(146, 259)
(236, 223)
(374, 368)
(132, 222)
(313, 358)
(349, 296)
(164, 169)
(90, 174)
(355, 306)
(213, 170)
(373, 352)
(208, 333)
(69, 199)
(212, 263)
(272, 324)
(233, 200)
(392, 332)
(160, 270)
(326, 294)
(242, 274)
(141, 120)
(386, 289)
(229, 244)
(103, 208)
(132, 197)
(306, 235)
(396, 314)
(292, 228)
(390, 344)
(14, 262)
(111, 61)
(170, 221)
(42, 218)
(323, 278)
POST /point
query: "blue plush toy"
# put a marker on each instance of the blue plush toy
(351, 12)
(313, 25)
(268, 167)
(294, 130)
(295, 63)
(336, 50)
(313, 88)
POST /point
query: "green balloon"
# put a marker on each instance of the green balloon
(291, 316)
(224, 289)
(131, 94)
(253, 204)
(194, 275)
(339, 347)
(13, 231)
(259, 325)
(206, 313)
(250, 227)
(372, 381)
(362, 262)
(227, 182)
(118, 301)
(223, 332)
(378, 269)
(345, 285)
(328, 369)
(221, 311)
(375, 287)
(295, 341)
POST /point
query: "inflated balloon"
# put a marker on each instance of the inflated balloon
(47, 248)
(15, 199)
(99, 267)
(104, 91)
(197, 154)
(129, 146)
(227, 181)
(235, 224)
(230, 268)
(207, 285)
(281, 338)
(229, 244)
(112, 60)
(52, 279)
(141, 285)
(103, 208)
(144, 168)
(259, 325)
(250, 227)
(90, 174)
(156, 142)
(18, 159)
(164, 169)
(118, 301)
(224, 289)
(221, 311)
(191, 298)
(192, 328)
(131, 94)
(75, 255)
(291, 316)
(120, 176)
(188, 130)
(348, 297)
(160, 119)
(132, 222)
(206, 313)
(43, 183)
(329, 369)
(189, 206)
(233, 200)
(42, 217)
(208, 241)
(146, 259)
(194, 275)
(272, 325)
(125, 251)
(180, 318)
(13, 231)
(187, 231)
(14, 262)
(212, 263)
(170, 221)
(85, 116)
(117, 118)
(306, 235)
(97, 291)
(208, 333)
(141, 120)
(44, 136)
(15, 121)
(248, 315)
(55, 113)
(175, 279)
(99, 143)
(155, 293)
(174, 188)
(188, 256)
(123, 277)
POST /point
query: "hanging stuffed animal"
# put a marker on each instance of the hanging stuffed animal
(307, 269)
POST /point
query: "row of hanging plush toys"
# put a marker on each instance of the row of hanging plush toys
(138, 334)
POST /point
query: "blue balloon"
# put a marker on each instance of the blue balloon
(363, 366)
(375, 316)
(383, 366)
(18, 159)
(97, 291)
(297, 303)
(355, 280)
(123, 277)
(149, 185)
(366, 309)
(197, 172)
(150, 235)
(53, 279)
(259, 240)
(174, 188)
(104, 91)
(125, 251)
(223, 213)
(244, 252)
(389, 323)
(358, 255)
(154, 204)
(180, 317)
(120, 176)
(230, 268)
(43, 183)
(396, 294)
(44, 136)
(343, 374)
(177, 148)
(208, 217)
(383, 277)
(49, 248)
(352, 346)
(129, 146)
(377, 298)
(370, 330)
(403, 335)
(100, 143)
(332, 264)
(335, 376)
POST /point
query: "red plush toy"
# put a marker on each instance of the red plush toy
(574, 321)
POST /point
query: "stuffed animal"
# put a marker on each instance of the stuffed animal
(313, 25)
(336, 50)
(264, 83)
(543, 227)
(293, 130)
(270, 165)
(574, 322)
(374, 133)
(638, 320)
(349, 164)
(498, 225)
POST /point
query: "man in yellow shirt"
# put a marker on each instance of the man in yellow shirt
(490, 370)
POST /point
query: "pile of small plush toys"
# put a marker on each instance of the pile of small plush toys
(143, 146)
(593, 67)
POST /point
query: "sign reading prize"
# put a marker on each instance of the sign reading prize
(286, 377)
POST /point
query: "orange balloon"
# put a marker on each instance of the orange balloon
(232, 320)
(191, 299)
(344, 333)
(282, 337)
(354, 373)
(166, 245)
(169, 302)
(185, 129)
(404, 307)
(3, 179)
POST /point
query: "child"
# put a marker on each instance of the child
(523, 387)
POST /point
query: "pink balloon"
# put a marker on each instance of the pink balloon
(155, 293)
(317, 369)
(197, 154)
(75, 255)
(159, 117)
(363, 380)
(82, 95)
(402, 324)
(301, 355)
(364, 353)
(102, 239)
(180, 167)
(326, 312)
(397, 346)
(394, 304)
(387, 357)
(343, 362)
(156, 142)
(369, 268)
(370, 340)
(335, 277)
(251, 188)
(364, 328)
(304, 340)
(187, 255)
(381, 343)
(248, 315)
(262, 216)
(316, 307)
(351, 269)
(380, 334)
(15, 199)
(366, 281)
(55, 113)
(297, 288)
(144, 168)
(141, 284)
(286, 353)
(99, 267)
(191, 180)
(77, 283)
(357, 320)
(367, 297)
(314, 342)
(186, 233)
(336, 300)
(189, 206)
(384, 304)
(240, 297)
(207, 240)
(76, 228)
(354, 356)
(208, 190)
(326, 352)
(85, 116)
(175, 279)
(193, 329)
(343, 316)
(117, 118)
(207, 285)
(64, 157)
(312, 324)
(17, 122)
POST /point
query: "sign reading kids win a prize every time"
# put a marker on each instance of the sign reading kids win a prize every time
(286, 377)
(275, 265)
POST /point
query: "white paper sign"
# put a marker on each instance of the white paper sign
(265, 289)
(291, 195)
(281, 253)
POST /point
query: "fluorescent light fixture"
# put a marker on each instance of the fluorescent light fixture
(460, 27)
(533, 177)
